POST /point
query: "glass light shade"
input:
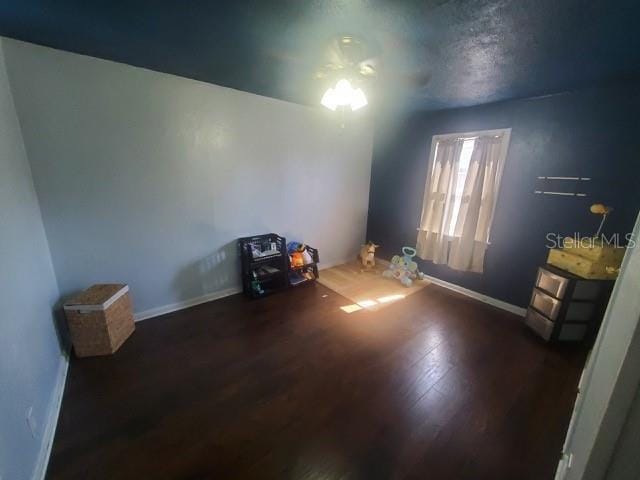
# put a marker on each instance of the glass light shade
(343, 92)
(344, 95)
(329, 99)
(358, 99)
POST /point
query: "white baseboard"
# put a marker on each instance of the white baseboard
(42, 463)
(470, 293)
(478, 296)
(40, 469)
(324, 266)
(174, 307)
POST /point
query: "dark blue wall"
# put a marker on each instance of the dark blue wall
(592, 133)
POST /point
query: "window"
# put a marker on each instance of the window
(463, 168)
(461, 191)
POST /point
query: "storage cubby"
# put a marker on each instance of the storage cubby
(565, 307)
(264, 263)
(267, 266)
(305, 272)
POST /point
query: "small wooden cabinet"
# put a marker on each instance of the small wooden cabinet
(565, 307)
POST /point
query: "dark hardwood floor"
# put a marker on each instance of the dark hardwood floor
(436, 386)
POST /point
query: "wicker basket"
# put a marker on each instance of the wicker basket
(100, 319)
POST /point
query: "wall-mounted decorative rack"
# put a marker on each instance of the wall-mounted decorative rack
(562, 186)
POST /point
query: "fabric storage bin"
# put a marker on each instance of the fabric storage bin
(100, 319)
(551, 283)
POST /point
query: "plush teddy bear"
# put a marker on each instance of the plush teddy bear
(367, 254)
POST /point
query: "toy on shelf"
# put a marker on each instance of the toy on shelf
(297, 260)
(367, 254)
(256, 288)
(299, 254)
(403, 268)
(303, 263)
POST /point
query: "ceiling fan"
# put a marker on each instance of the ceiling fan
(348, 63)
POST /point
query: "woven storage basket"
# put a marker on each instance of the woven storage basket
(100, 319)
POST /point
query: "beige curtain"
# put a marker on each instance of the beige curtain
(439, 197)
(464, 250)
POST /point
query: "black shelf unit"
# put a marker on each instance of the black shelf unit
(265, 262)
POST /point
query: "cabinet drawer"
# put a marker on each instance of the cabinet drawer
(545, 304)
(539, 324)
(552, 283)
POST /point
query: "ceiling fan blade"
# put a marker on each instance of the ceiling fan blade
(334, 54)
(287, 57)
(348, 50)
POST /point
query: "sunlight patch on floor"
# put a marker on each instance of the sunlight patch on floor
(370, 304)
(351, 308)
(391, 298)
(367, 303)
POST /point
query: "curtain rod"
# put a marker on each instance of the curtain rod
(467, 138)
(477, 136)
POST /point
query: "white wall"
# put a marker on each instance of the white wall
(148, 178)
(609, 381)
(625, 463)
(31, 364)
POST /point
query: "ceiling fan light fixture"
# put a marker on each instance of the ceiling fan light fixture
(344, 95)
(343, 92)
(329, 99)
(358, 99)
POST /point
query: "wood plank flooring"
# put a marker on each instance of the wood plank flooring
(369, 286)
(436, 386)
